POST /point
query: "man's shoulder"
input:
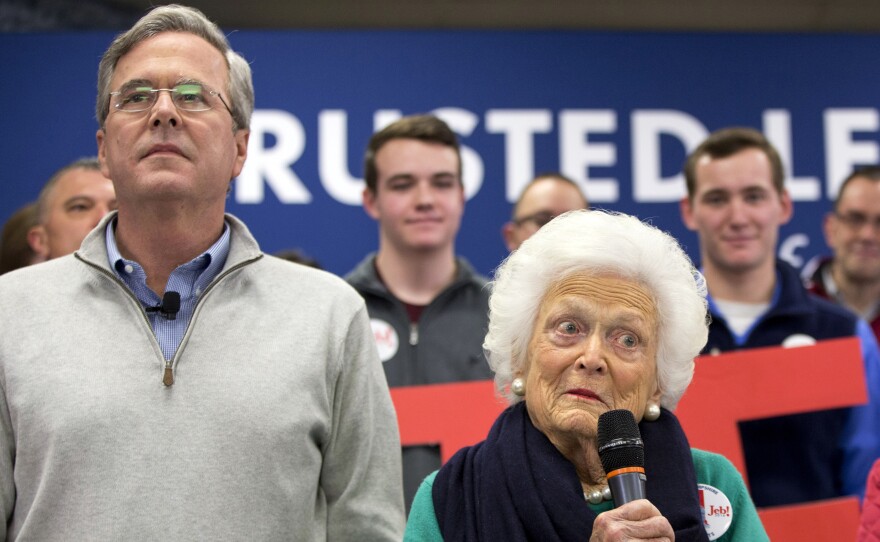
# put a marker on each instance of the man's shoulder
(466, 270)
(817, 317)
(363, 273)
(298, 275)
(800, 298)
(469, 276)
(43, 275)
(831, 310)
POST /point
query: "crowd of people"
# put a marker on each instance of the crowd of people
(165, 378)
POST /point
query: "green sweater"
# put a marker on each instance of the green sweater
(711, 469)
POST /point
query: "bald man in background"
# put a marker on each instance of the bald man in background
(70, 205)
(546, 196)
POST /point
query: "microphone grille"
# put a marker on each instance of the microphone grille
(620, 443)
(171, 302)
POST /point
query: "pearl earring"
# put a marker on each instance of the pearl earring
(652, 412)
(518, 387)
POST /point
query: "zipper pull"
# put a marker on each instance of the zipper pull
(413, 334)
(168, 378)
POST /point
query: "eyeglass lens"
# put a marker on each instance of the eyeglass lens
(540, 218)
(858, 221)
(188, 97)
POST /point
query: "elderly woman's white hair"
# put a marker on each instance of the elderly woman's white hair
(603, 243)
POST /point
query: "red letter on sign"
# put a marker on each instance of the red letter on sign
(745, 385)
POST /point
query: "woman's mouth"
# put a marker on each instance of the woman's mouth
(584, 394)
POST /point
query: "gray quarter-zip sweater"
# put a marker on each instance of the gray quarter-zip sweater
(279, 424)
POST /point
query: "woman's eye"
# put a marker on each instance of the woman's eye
(629, 341)
(568, 328)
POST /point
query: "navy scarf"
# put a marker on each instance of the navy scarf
(516, 486)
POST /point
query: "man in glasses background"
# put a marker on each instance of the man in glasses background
(852, 231)
(545, 197)
(169, 381)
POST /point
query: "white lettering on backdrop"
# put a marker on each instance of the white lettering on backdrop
(278, 141)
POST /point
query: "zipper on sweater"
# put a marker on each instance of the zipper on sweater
(168, 373)
(168, 377)
(413, 333)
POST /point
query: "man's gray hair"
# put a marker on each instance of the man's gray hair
(176, 18)
(599, 242)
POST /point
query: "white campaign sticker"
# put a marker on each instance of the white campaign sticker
(386, 339)
(798, 339)
(716, 509)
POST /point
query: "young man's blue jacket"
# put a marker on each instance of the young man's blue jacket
(815, 455)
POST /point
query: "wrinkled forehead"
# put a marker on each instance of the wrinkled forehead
(603, 289)
(169, 58)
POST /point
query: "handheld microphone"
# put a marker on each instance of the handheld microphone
(169, 306)
(623, 455)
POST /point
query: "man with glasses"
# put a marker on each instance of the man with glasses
(545, 197)
(170, 381)
(852, 231)
(428, 307)
(736, 202)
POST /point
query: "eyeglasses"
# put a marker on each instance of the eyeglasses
(191, 97)
(540, 219)
(857, 221)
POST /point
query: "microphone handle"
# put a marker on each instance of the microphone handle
(627, 487)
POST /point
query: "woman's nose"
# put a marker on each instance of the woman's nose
(592, 356)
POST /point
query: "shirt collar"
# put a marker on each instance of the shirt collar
(201, 270)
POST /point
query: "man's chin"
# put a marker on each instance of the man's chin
(739, 265)
(864, 273)
(425, 245)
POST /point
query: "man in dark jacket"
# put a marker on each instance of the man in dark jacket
(736, 203)
(428, 307)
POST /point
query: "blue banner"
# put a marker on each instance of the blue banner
(618, 112)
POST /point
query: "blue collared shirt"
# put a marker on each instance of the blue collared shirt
(189, 280)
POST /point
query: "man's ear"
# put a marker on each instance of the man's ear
(100, 138)
(687, 213)
(507, 234)
(369, 199)
(828, 228)
(38, 240)
(787, 207)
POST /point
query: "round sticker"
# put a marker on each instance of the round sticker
(798, 339)
(386, 339)
(716, 509)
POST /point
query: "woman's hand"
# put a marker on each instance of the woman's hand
(636, 520)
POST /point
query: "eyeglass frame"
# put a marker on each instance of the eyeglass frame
(856, 221)
(171, 91)
(536, 218)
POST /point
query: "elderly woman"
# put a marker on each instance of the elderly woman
(595, 312)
